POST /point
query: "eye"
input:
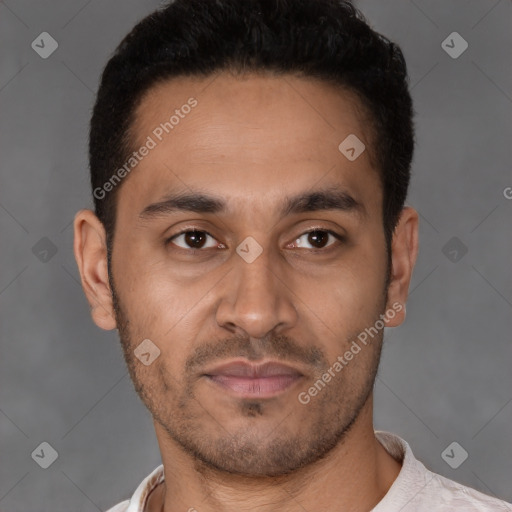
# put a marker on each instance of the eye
(317, 239)
(193, 239)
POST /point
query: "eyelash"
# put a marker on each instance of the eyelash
(185, 231)
(336, 235)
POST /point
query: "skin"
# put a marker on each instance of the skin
(253, 141)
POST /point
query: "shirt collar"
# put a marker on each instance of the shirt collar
(140, 496)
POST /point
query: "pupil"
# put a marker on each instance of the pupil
(318, 238)
(195, 239)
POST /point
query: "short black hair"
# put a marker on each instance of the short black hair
(328, 40)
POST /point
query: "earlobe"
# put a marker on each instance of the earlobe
(404, 251)
(90, 250)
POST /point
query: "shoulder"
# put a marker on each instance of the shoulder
(449, 495)
(417, 489)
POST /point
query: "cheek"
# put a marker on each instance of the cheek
(345, 300)
(144, 279)
(162, 306)
(351, 290)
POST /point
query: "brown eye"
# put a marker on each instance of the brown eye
(193, 239)
(317, 239)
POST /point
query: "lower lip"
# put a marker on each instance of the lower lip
(262, 387)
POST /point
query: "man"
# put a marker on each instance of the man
(250, 162)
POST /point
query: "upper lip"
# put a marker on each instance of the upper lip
(250, 370)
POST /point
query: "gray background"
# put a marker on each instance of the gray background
(445, 373)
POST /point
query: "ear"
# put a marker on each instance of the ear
(90, 249)
(404, 250)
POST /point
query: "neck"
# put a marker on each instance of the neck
(353, 477)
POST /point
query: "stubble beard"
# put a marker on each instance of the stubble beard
(247, 451)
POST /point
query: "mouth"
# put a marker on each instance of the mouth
(245, 380)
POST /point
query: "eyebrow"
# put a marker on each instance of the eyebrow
(324, 199)
(327, 199)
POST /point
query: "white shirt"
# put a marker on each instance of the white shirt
(416, 489)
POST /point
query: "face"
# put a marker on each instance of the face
(244, 237)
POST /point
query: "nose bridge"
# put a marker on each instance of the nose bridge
(257, 280)
(256, 299)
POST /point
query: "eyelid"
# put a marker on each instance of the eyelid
(335, 234)
(189, 229)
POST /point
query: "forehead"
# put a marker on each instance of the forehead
(250, 136)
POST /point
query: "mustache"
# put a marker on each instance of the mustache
(278, 347)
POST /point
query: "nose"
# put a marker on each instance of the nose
(258, 299)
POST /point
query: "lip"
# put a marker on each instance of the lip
(247, 380)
